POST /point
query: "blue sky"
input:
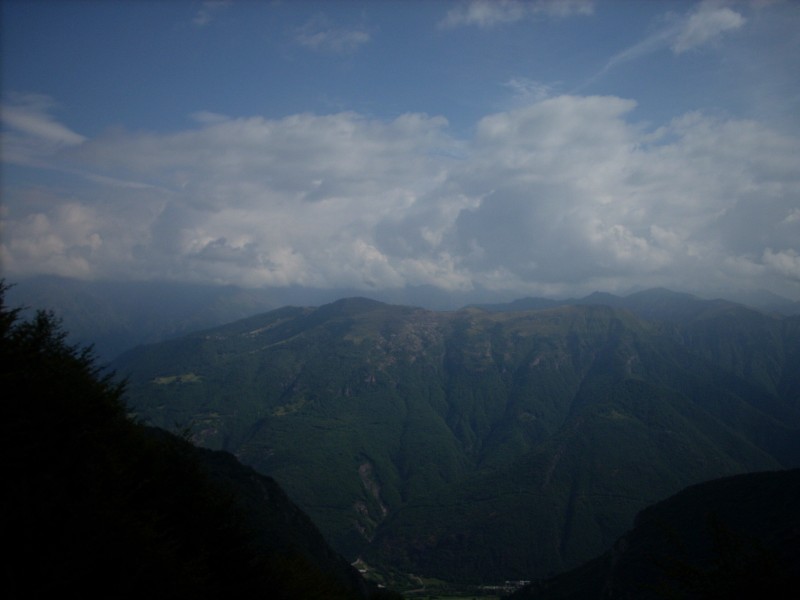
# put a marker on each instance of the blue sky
(536, 147)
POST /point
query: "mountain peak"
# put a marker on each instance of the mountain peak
(353, 304)
(601, 298)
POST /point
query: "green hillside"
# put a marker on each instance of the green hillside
(480, 445)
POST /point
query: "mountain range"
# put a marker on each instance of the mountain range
(115, 316)
(488, 443)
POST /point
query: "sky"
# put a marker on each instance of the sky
(517, 148)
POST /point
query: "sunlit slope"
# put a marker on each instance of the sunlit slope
(471, 445)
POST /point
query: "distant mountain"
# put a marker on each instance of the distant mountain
(650, 300)
(117, 316)
(97, 505)
(481, 446)
(658, 304)
(737, 537)
(766, 301)
(739, 338)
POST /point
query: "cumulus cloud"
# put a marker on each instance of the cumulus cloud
(490, 13)
(565, 194)
(255, 200)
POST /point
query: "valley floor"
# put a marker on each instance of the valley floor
(415, 587)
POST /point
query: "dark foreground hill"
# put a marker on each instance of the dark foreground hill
(737, 537)
(481, 445)
(98, 506)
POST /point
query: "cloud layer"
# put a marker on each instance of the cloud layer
(563, 195)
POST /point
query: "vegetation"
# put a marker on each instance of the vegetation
(735, 537)
(476, 446)
(482, 446)
(97, 505)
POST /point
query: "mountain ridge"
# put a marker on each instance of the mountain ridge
(115, 316)
(415, 422)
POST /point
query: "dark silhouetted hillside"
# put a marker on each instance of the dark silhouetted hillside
(98, 506)
(737, 537)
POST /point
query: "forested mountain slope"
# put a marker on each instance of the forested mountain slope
(483, 445)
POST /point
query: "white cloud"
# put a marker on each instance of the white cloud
(208, 11)
(30, 133)
(785, 262)
(262, 201)
(484, 13)
(580, 196)
(319, 34)
(701, 25)
(490, 13)
(566, 194)
(528, 91)
(705, 24)
(60, 242)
